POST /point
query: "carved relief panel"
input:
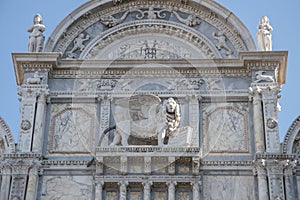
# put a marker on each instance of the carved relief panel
(225, 128)
(72, 128)
(67, 187)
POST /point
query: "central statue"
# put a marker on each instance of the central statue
(145, 117)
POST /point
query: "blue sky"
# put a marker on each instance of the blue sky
(16, 17)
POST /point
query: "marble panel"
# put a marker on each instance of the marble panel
(228, 187)
(72, 128)
(225, 128)
(67, 187)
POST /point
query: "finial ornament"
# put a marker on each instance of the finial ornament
(36, 37)
(263, 36)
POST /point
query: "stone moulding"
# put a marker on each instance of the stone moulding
(155, 27)
(8, 136)
(208, 11)
(290, 136)
(30, 62)
(148, 149)
(57, 68)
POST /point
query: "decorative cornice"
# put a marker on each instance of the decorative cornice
(162, 93)
(230, 163)
(61, 163)
(275, 156)
(22, 155)
(30, 62)
(148, 149)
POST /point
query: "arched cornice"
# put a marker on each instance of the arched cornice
(290, 136)
(213, 17)
(7, 137)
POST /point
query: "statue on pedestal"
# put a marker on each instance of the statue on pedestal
(36, 37)
(264, 37)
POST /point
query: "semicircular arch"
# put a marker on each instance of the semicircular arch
(224, 32)
(291, 137)
(7, 144)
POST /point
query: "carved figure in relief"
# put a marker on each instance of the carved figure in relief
(222, 42)
(172, 118)
(260, 77)
(86, 85)
(149, 118)
(191, 20)
(213, 84)
(36, 79)
(111, 21)
(263, 36)
(36, 37)
(78, 44)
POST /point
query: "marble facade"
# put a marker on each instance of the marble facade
(150, 100)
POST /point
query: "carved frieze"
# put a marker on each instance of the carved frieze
(68, 128)
(183, 13)
(226, 128)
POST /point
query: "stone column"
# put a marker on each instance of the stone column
(31, 192)
(99, 190)
(147, 165)
(196, 189)
(123, 166)
(260, 171)
(6, 177)
(171, 189)
(104, 117)
(270, 108)
(123, 190)
(194, 119)
(147, 190)
(288, 179)
(275, 178)
(258, 120)
(171, 165)
(38, 134)
(28, 109)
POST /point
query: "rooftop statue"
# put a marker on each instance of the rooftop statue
(264, 37)
(36, 37)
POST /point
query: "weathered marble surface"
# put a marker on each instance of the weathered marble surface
(225, 128)
(67, 187)
(72, 128)
(228, 187)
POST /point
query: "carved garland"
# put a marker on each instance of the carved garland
(87, 20)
